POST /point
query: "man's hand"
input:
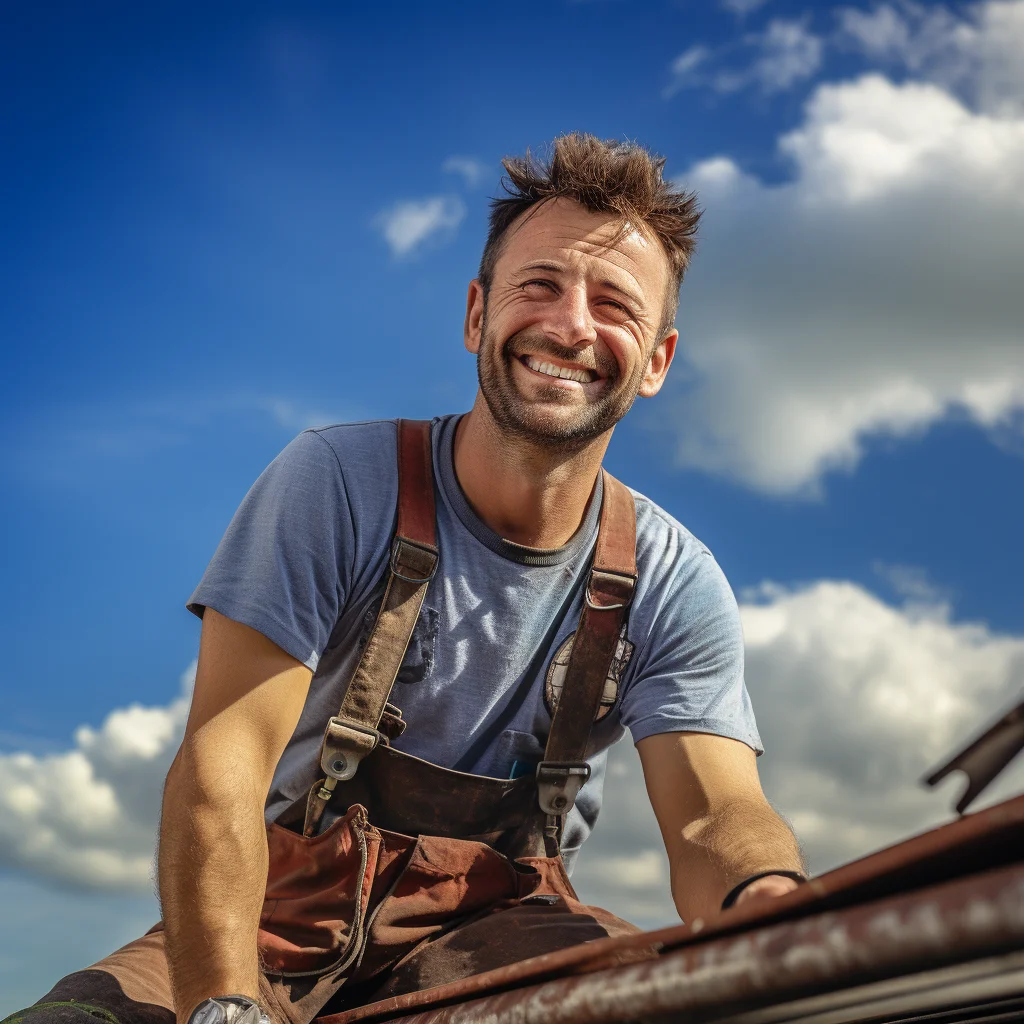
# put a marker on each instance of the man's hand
(717, 826)
(213, 843)
(770, 885)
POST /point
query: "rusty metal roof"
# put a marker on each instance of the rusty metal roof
(929, 918)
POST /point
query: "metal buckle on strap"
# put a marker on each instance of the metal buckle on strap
(559, 783)
(345, 745)
(417, 557)
(619, 584)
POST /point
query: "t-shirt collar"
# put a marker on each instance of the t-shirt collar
(451, 492)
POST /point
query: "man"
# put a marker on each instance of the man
(542, 612)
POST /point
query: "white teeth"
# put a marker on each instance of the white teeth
(581, 376)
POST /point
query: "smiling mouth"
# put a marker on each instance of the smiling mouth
(579, 374)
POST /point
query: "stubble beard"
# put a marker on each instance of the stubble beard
(520, 418)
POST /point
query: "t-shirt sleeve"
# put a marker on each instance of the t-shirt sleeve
(284, 565)
(687, 674)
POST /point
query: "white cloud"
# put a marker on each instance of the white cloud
(469, 168)
(869, 139)
(742, 7)
(881, 33)
(409, 224)
(976, 52)
(914, 585)
(88, 815)
(856, 701)
(980, 52)
(774, 60)
(623, 866)
(874, 293)
(789, 54)
(686, 69)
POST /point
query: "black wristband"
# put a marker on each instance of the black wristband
(735, 891)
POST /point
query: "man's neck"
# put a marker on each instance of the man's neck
(525, 492)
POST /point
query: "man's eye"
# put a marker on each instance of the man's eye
(539, 282)
(616, 309)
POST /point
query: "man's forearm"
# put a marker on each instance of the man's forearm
(212, 878)
(719, 851)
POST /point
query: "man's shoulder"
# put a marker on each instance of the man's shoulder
(355, 462)
(372, 443)
(673, 564)
(684, 603)
(342, 454)
(659, 533)
(338, 465)
(375, 438)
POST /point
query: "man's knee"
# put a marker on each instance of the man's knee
(62, 1011)
(90, 997)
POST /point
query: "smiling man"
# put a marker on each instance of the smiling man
(419, 641)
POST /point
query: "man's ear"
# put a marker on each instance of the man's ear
(473, 328)
(657, 368)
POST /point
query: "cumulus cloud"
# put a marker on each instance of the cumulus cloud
(875, 292)
(623, 866)
(861, 699)
(979, 51)
(407, 225)
(975, 50)
(788, 54)
(774, 60)
(471, 170)
(856, 701)
(88, 815)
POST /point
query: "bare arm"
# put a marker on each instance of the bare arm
(717, 825)
(213, 843)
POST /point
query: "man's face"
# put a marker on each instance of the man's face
(568, 334)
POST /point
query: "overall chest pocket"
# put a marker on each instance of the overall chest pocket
(418, 662)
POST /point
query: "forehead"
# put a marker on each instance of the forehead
(562, 230)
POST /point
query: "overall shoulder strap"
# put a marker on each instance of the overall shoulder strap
(609, 593)
(353, 732)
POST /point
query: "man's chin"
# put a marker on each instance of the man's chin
(553, 426)
(553, 417)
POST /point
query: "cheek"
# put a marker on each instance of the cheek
(628, 354)
(504, 325)
(505, 305)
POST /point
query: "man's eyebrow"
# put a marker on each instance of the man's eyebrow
(557, 268)
(544, 265)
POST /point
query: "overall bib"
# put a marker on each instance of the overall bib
(396, 875)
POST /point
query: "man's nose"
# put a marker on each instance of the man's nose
(570, 319)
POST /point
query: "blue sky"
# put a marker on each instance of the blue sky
(221, 227)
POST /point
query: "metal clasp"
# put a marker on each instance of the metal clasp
(559, 783)
(616, 584)
(344, 747)
(413, 556)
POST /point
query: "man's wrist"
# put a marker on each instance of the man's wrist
(734, 895)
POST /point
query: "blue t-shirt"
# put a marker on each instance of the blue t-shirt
(304, 562)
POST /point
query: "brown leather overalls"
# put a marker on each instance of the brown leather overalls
(396, 875)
